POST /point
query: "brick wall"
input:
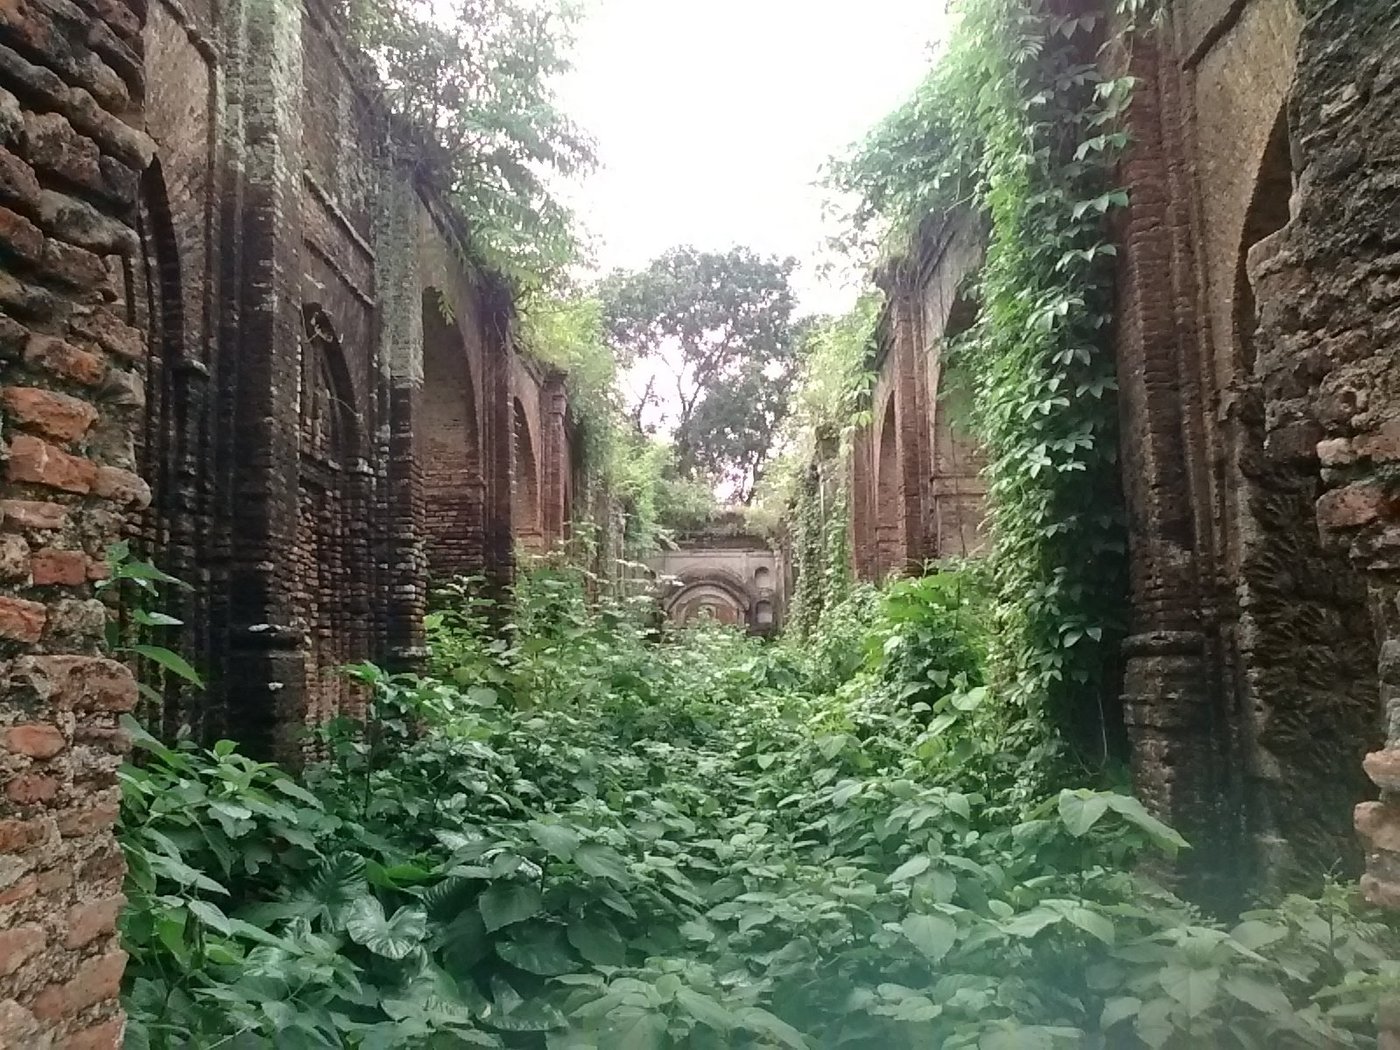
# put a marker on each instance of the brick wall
(1250, 681)
(71, 155)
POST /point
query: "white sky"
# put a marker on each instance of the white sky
(712, 118)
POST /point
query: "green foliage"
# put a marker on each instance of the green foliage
(719, 330)
(1019, 122)
(472, 83)
(577, 836)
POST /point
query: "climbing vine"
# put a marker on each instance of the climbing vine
(1021, 122)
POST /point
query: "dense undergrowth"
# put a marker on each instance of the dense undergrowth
(589, 834)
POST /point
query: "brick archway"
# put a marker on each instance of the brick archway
(889, 493)
(525, 484)
(447, 444)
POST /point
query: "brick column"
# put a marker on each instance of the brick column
(68, 184)
(266, 672)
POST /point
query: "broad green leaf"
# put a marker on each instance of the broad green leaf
(910, 868)
(598, 941)
(393, 937)
(1268, 999)
(1080, 811)
(630, 1028)
(756, 1019)
(1194, 989)
(706, 1010)
(506, 903)
(557, 839)
(602, 862)
(537, 949)
(933, 935)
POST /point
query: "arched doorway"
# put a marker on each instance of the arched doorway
(1304, 641)
(525, 485)
(331, 527)
(447, 447)
(889, 502)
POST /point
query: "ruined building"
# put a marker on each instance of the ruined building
(726, 572)
(235, 329)
(1258, 313)
(238, 332)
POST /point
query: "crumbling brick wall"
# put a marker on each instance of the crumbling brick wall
(1327, 287)
(71, 157)
(1250, 677)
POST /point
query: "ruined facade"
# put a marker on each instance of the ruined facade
(726, 573)
(1257, 310)
(916, 491)
(238, 332)
(1255, 344)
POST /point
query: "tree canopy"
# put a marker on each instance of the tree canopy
(718, 332)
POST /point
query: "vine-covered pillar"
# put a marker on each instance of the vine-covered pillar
(910, 394)
(1327, 288)
(67, 491)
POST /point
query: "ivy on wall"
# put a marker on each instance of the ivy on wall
(1020, 120)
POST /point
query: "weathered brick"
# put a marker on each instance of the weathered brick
(80, 822)
(78, 222)
(89, 921)
(50, 567)
(35, 740)
(29, 789)
(21, 890)
(107, 1035)
(18, 945)
(111, 333)
(72, 266)
(1357, 504)
(83, 683)
(37, 462)
(65, 360)
(96, 980)
(14, 557)
(19, 188)
(33, 514)
(54, 146)
(1382, 445)
(1383, 767)
(20, 236)
(122, 486)
(60, 416)
(21, 620)
(18, 836)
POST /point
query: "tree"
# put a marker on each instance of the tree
(470, 83)
(717, 332)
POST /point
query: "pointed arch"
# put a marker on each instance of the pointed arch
(447, 443)
(525, 484)
(331, 535)
(889, 496)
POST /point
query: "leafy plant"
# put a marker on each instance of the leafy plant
(575, 835)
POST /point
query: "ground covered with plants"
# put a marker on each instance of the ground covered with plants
(581, 832)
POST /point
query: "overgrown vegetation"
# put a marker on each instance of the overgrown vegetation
(577, 836)
(1020, 125)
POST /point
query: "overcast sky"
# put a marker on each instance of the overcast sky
(712, 117)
